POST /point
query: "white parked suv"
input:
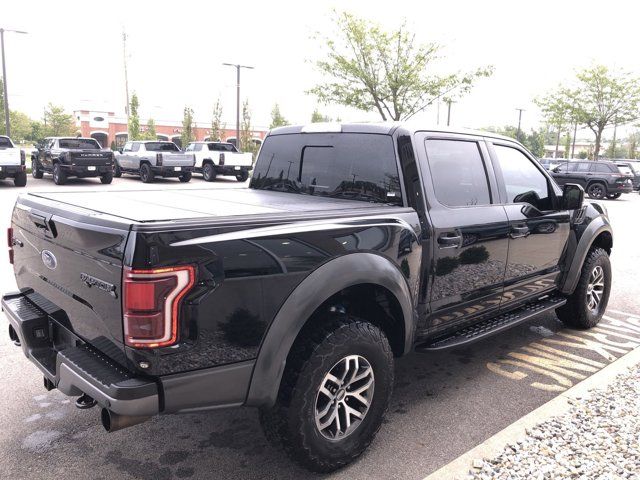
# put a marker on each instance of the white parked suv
(12, 162)
(220, 158)
(150, 159)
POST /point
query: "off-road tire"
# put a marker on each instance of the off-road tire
(117, 171)
(208, 172)
(243, 176)
(291, 423)
(597, 190)
(36, 170)
(575, 313)
(107, 178)
(20, 180)
(59, 175)
(613, 196)
(185, 177)
(146, 174)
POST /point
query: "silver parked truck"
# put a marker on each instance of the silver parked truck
(150, 159)
(12, 162)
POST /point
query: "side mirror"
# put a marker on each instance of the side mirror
(572, 197)
(120, 150)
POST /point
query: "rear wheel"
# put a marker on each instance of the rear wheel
(613, 196)
(334, 393)
(208, 172)
(597, 190)
(20, 180)
(185, 177)
(106, 178)
(59, 176)
(146, 174)
(586, 305)
(36, 169)
(242, 177)
(117, 172)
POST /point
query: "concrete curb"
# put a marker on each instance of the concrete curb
(460, 467)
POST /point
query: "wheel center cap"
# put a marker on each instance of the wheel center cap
(341, 394)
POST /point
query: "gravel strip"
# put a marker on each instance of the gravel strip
(597, 439)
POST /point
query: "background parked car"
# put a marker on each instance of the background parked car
(631, 167)
(550, 163)
(66, 157)
(12, 162)
(600, 179)
(220, 158)
(149, 159)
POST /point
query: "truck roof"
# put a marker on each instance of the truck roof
(383, 128)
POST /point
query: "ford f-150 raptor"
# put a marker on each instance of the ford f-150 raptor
(353, 245)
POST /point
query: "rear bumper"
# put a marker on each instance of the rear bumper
(86, 170)
(170, 171)
(231, 169)
(74, 367)
(10, 170)
(617, 188)
(71, 365)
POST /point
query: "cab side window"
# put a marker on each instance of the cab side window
(127, 147)
(582, 167)
(135, 146)
(458, 172)
(600, 168)
(524, 182)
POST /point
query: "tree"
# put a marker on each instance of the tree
(277, 120)
(633, 140)
(150, 132)
(388, 72)
(217, 129)
(57, 122)
(534, 140)
(317, 117)
(134, 119)
(602, 97)
(246, 135)
(20, 126)
(557, 112)
(188, 127)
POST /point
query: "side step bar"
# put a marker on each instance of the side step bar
(492, 326)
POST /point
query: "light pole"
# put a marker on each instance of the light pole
(520, 110)
(449, 102)
(237, 67)
(4, 80)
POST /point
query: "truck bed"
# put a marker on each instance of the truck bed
(140, 208)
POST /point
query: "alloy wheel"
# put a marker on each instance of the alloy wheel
(344, 397)
(595, 288)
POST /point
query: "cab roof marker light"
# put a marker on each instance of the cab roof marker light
(322, 127)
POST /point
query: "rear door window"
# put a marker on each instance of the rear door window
(458, 172)
(600, 168)
(355, 166)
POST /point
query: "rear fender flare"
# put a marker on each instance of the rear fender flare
(327, 280)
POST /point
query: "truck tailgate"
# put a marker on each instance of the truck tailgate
(242, 159)
(177, 159)
(76, 265)
(9, 156)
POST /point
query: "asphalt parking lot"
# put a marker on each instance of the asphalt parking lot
(444, 403)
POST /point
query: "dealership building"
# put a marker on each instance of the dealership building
(109, 129)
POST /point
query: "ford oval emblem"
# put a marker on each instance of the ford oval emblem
(49, 260)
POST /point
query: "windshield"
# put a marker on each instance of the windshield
(353, 166)
(5, 142)
(79, 143)
(222, 147)
(161, 147)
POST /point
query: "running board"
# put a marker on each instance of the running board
(492, 326)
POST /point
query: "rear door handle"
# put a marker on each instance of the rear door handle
(449, 240)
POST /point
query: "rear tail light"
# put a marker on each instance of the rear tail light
(159, 159)
(23, 157)
(222, 159)
(151, 304)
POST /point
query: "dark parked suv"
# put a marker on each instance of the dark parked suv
(601, 179)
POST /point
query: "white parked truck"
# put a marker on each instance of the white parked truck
(12, 162)
(220, 158)
(150, 159)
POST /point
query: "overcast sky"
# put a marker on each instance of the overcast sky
(72, 55)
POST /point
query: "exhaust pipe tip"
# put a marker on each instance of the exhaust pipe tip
(112, 422)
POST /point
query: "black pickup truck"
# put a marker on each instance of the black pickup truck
(354, 244)
(66, 157)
